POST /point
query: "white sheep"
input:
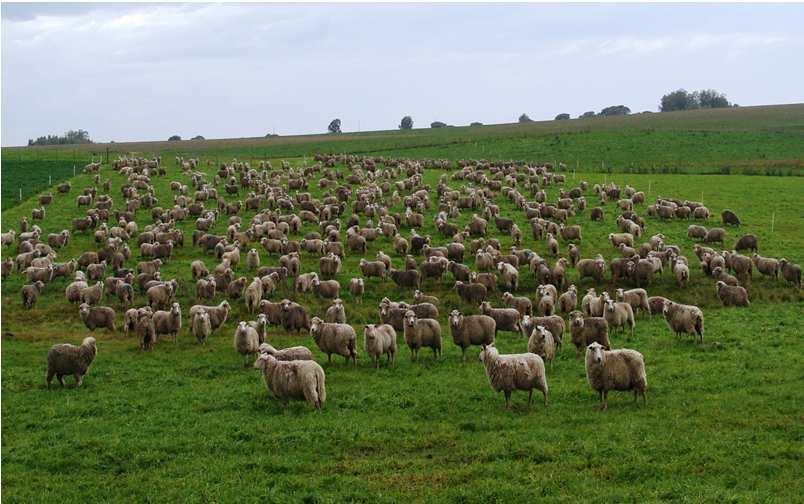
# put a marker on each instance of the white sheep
(334, 339)
(67, 359)
(246, 341)
(511, 372)
(621, 369)
(287, 354)
(298, 379)
(379, 340)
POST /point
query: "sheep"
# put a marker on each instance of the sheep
(729, 218)
(201, 326)
(30, 293)
(373, 268)
(329, 265)
(471, 293)
(741, 265)
(205, 288)
(168, 322)
(198, 269)
(731, 295)
(420, 333)
(553, 323)
(66, 359)
(488, 280)
(622, 369)
(715, 235)
(506, 319)
(408, 278)
(521, 303)
(746, 242)
(298, 379)
(287, 354)
(161, 294)
(334, 338)
(336, 313)
(592, 304)
(568, 301)
(552, 245)
(304, 282)
(595, 268)
(766, 266)
(790, 272)
(294, 316)
(97, 316)
(681, 271)
(329, 289)
(682, 318)
(511, 372)
(253, 294)
(509, 275)
(356, 288)
(472, 329)
(7, 268)
(570, 233)
(656, 304)
(617, 238)
(92, 295)
(379, 340)
(619, 315)
(246, 341)
(253, 259)
(585, 330)
(420, 298)
(217, 314)
(546, 304)
(541, 343)
(637, 298)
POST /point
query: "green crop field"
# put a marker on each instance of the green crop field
(188, 422)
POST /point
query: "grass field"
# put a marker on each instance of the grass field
(185, 422)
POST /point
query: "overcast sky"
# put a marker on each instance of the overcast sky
(145, 72)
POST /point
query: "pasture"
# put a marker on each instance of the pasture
(188, 422)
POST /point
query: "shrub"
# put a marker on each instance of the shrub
(174, 138)
(406, 123)
(334, 126)
(525, 119)
(562, 117)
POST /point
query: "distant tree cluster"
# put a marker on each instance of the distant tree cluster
(562, 117)
(590, 113)
(681, 99)
(71, 137)
(476, 124)
(406, 123)
(525, 119)
(438, 124)
(615, 110)
(334, 126)
(198, 137)
(174, 138)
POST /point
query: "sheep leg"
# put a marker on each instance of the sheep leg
(544, 393)
(78, 379)
(530, 397)
(605, 400)
(61, 379)
(49, 377)
(507, 399)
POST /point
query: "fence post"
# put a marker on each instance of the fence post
(73, 170)
(773, 220)
(20, 193)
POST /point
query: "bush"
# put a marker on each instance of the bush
(562, 117)
(476, 124)
(71, 137)
(615, 110)
(198, 137)
(587, 114)
(174, 138)
(525, 119)
(684, 100)
(406, 123)
(438, 124)
(334, 126)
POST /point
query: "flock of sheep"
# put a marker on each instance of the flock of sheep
(367, 191)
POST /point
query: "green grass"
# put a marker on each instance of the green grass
(189, 423)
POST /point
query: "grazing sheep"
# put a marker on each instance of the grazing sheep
(357, 288)
(168, 322)
(541, 343)
(66, 359)
(336, 313)
(30, 293)
(304, 282)
(767, 266)
(287, 354)
(246, 341)
(379, 340)
(731, 295)
(715, 235)
(332, 338)
(511, 372)
(297, 379)
(294, 316)
(521, 303)
(408, 278)
(198, 269)
(201, 326)
(329, 289)
(619, 315)
(506, 319)
(617, 238)
(595, 268)
(656, 304)
(682, 318)
(470, 330)
(621, 369)
(509, 275)
(471, 293)
(373, 268)
(420, 333)
(92, 295)
(637, 298)
(97, 316)
(790, 272)
(217, 314)
(730, 218)
(421, 298)
(747, 242)
(585, 330)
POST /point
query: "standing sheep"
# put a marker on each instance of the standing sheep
(732, 295)
(622, 369)
(541, 343)
(619, 315)
(246, 341)
(287, 354)
(506, 319)
(357, 288)
(217, 314)
(201, 326)
(334, 339)
(470, 330)
(168, 322)
(684, 319)
(336, 313)
(67, 359)
(511, 372)
(586, 330)
(298, 379)
(790, 272)
(637, 298)
(379, 340)
(420, 333)
(30, 293)
(97, 316)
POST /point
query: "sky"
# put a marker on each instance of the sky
(128, 72)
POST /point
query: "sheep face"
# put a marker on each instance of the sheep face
(456, 318)
(596, 351)
(410, 318)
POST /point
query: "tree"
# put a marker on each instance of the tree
(438, 124)
(590, 113)
(198, 137)
(679, 99)
(525, 119)
(562, 117)
(615, 110)
(334, 126)
(476, 124)
(406, 123)
(174, 138)
(709, 98)
(70, 137)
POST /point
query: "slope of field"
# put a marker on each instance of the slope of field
(188, 422)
